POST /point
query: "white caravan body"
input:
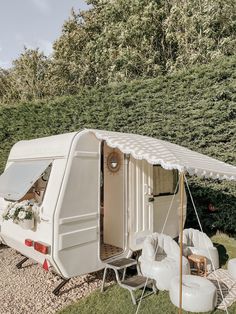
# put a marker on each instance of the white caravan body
(102, 190)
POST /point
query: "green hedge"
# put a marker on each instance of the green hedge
(195, 108)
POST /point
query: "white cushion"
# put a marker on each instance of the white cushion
(149, 249)
(198, 293)
(165, 264)
(196, 238)
(197, 242)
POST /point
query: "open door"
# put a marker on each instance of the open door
(140, 202)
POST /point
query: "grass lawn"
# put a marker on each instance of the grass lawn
(116, 300)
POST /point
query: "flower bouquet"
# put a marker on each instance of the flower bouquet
(22, 213)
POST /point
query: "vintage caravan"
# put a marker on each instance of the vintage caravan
(98, 195)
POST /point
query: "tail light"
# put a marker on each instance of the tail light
(41, 247)
(29, 242)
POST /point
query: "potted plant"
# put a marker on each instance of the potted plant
(21, 213)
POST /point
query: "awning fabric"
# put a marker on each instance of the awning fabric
(168, 155)
(19, 177)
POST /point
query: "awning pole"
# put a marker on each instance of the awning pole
(181, 238)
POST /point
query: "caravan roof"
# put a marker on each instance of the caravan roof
(56, 146)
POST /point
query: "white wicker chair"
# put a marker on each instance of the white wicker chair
(160, 260)
(197, 242)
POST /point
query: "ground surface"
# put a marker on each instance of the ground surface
(29, 290)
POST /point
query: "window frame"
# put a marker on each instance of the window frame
(19, 177)
(175, 181)
(46, 185)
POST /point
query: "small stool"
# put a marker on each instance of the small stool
(198, 293)
(138, 282)
(232, 267)
(133, 283)
(201, 263)
(116, 265)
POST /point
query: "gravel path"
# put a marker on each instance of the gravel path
(29, 290)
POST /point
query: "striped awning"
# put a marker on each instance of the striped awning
(168, 155)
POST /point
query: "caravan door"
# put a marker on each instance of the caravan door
(140, 202)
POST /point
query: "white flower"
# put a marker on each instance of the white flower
(23, 209)
(17, 206)
(22, 215)
(12, 212)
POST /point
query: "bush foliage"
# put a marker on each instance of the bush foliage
(122, 40)
(194, 108)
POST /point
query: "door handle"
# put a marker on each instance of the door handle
(151, 199)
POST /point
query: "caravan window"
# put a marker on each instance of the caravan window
(25, 179)
(164, 181)
(38, 189)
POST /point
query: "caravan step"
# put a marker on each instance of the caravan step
(136, 282)
(116, 265)
(121, 263)
(132, 283)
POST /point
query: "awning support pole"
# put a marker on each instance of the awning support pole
(181, 238)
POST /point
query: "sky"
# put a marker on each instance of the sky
(32, 23)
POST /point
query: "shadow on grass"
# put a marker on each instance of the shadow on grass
(223, 255)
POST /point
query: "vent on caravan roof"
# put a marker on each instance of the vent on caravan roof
(19, 177)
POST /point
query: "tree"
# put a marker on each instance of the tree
(128, 39)
(200, 31)
(113, 41)
(122, 40)
(26, 79)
